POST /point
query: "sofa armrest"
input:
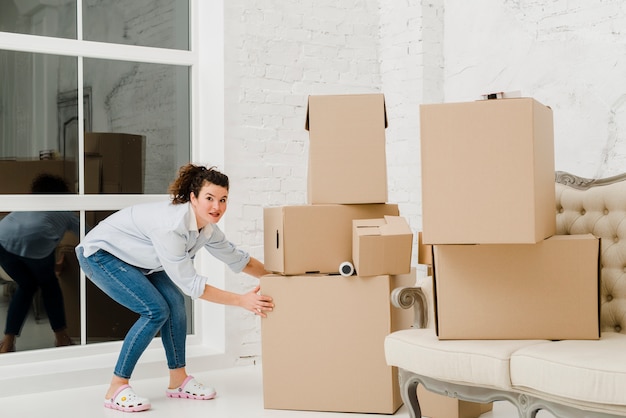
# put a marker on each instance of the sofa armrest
(407, 297)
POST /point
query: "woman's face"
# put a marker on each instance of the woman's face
(210, 204)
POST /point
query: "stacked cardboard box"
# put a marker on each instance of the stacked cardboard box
(434, 405)
(488, 233)
(488, 206)
(321, 349)
(489, 215)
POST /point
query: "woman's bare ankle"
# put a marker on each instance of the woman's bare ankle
(116, 383)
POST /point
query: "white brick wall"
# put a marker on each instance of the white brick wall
(569, 55)
(277, 54)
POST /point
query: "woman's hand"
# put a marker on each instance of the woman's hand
(256, 303)
(59, 265)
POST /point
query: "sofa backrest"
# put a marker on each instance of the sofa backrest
(598, 206)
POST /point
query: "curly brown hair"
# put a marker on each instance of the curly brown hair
(49, 183)
(191, 178)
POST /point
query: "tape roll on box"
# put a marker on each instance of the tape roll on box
(346, 269)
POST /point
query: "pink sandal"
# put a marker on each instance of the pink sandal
(191, 389)
(125, 399)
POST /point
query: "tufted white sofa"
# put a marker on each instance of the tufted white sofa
(569, 378)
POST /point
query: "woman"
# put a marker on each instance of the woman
(28, 241)
(142, 257)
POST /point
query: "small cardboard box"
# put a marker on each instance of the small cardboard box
(547, 290)
(321, 352)
(347, 159)
(123, 160)
(381, 246)
(487, 172)
(313, 238)
(433, 405)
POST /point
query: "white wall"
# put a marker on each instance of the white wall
(570, 55)
(278, 53)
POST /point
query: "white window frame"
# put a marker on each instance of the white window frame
(59, 368)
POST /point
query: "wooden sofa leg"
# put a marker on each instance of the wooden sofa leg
(408, 392)
(527, 405)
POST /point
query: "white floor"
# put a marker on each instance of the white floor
(240, 394)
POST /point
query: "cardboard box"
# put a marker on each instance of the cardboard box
(433, 405)
(93, 172)
(93, 183)
(313, 238)
(424, 254)
(381, 246)
(347, 159)
(22, 173)
(487, 172)
(123, 160)
(424, 251)
(321, 352)
(547, 290)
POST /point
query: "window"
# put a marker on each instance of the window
(105, 93)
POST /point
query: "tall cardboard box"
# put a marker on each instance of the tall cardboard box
(487, 172)
(123, 160)
(381, 246)
(547, 290)
(322, 352)
(433, 405)
(347, 158)
(313, 238)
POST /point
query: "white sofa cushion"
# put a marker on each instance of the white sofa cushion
(478, 363)
(589, 371)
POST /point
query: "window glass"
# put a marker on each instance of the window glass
(100, 328)
(161, 24)
(139, 131)
(136, 120)
(33, 254)
(45, 18)
(38, 119)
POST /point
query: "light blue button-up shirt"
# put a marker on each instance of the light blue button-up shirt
(36, 234)
(163, 236)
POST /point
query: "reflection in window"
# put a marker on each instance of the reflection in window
(39, 17)
(37, 277)
(136, 126)
(100, 327)
(136, 117)
(140, 126)
(29, 125)
(161, 24)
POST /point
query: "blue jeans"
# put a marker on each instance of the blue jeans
(31, 274)
(154, 297)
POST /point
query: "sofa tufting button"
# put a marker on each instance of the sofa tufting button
(560, 210)
(583, 211)
(609, 298)
(618, 328)
(616, 239)
(606, 211)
